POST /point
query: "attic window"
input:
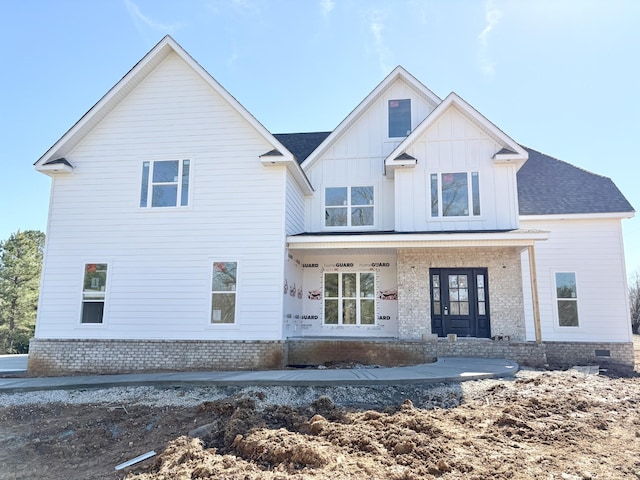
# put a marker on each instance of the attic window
(399, 118)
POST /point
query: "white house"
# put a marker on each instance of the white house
(184, 235)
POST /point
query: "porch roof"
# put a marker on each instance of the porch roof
(392, 239)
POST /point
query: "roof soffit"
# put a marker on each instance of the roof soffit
(130, 81)
(516, 152)
(397, 73)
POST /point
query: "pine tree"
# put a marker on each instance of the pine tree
(20, 266)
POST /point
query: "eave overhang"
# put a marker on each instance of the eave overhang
(55, 167)
(512, 238)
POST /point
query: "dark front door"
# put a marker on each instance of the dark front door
(460, 302)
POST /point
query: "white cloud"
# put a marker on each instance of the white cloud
(376, 27)
(493, 15)
(326, 6)
(138, 16)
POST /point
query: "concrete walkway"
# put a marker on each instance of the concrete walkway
(446, 369)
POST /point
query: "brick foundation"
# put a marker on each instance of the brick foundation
(50, 357)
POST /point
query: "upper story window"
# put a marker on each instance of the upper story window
(455, 194)
(399, 118)
(567, 299)
(94, 292)
(165, 183)
(348, 206)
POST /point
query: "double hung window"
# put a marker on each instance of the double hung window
(349, 298)
(94, 292)
(165, 183)
(567, 299)
(455, 194)
(349, 206)
(223, 292)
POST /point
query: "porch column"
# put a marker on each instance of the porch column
(534, 293)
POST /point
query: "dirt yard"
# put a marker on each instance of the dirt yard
(540, 425)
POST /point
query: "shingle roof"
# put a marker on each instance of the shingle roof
(301, 144)
(546, 185)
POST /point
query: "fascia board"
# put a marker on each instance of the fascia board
(398, 72)
(578, 216)
(450, 240)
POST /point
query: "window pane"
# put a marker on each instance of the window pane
(399, 118)
(331, 312)
(367, 312)
(462, 281)
(349, 284)
(223, 309)
(361, 216)
(568, 313)
(453, 281)
(144, 188)
(434, 195)
(463, 294)
(481, 294)
(331, 285)
(436, 294)
(453, 294)
(361, 195)
(165, 171)
(164, 196)
(480, 281)
(436, 280)
(566, 285)
(475, 193)
(335, 196)
(92, 312)
(367, 285)
(481, 308)
(455, 195)
(455, 308)
(184, 199)
(224, 277)
(436, 308)
(464, 308)
(95, 279)
(335, 217)
(349, 312)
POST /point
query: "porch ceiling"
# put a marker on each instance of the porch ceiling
(394, 240)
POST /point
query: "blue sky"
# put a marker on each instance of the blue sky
(561, 77)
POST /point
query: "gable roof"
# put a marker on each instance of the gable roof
(301, 144)
(382, 87)
(132, 79)
(548, 186)
(511, 151)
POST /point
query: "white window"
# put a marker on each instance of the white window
(223, 292)
(455, 194)
(399, 118)
(348, 206)
(567, 299)
(349, 298)
(94, 291)
(165, 183)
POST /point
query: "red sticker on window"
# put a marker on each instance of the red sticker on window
(91, 268)
(394, 103)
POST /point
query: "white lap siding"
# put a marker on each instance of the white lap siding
(592, 249)
(160, 259)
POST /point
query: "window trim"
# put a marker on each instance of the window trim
(473, 193)
(349, 206)
(388, 132)
(556, 299)
(212, 261)
(146, 204)
(105, 300)
(358, 299)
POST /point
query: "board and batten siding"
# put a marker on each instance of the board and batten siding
(454, 144)
(160, 259)
(593, 249)
(356, 158)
